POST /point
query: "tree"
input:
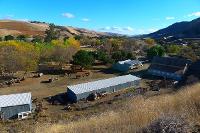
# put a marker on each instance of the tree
(1, 39)
(173, 49)
(102, 56)
(51, 33)
(9, 37)
(65, 39)
(156, 51)
(122, 55)
(150, 41)
(83, 58)
(21, 38)
(188, 53)
(73, 42)
(37, 39)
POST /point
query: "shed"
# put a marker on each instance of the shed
(82, 91)
(126, 65)
(169, 67)
(15, 106)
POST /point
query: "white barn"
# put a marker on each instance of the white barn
(15, 106)
(82, 91)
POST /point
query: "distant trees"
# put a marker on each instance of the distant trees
(102, 56)
(21, 38)
(89, 41)
(188, 53)
(122, 55)
(51, 33)
(173, 49)
(1, 39)
(25, 56)
(9, 37)
(59, 51)
(156, 51)
(83, 58)
(37, 39)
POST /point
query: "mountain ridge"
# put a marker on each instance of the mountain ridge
(185, 29)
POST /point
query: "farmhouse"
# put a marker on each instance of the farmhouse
(82, 91)
(126, 65)
(15, 106)
(169, 67)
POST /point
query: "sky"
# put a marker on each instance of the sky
(118, 16)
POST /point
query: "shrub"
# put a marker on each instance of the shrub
(170, 124)
(9, 37)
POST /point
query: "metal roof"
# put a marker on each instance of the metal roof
(15, 99)
(129, 62)
(100, 84)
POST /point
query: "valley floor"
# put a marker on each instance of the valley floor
(124, 111)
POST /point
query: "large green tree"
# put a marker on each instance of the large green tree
(83, 58)
(156, 51)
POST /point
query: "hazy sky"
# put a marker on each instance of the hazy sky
(120, 16)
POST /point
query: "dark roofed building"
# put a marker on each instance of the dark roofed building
(194, 69)
(169, 67)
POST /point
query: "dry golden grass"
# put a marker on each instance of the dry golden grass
(138, 114)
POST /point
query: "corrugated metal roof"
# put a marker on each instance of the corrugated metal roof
(129, 62)
(100, 84)
(15, 99)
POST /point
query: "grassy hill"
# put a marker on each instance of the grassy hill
(178, 112)
(12, 27)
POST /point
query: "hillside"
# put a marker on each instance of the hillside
(11, 27)
(142, 114)
(179, 30)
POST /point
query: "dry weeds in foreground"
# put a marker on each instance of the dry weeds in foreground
(140, 113)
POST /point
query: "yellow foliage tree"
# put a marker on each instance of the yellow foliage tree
(150, 41)
(73, 42)
(18, 56)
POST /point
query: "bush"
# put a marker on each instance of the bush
(83, 58)
(156, 51)
(168, 125)
(9, 37)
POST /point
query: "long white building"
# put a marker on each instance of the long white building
(82, 91)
